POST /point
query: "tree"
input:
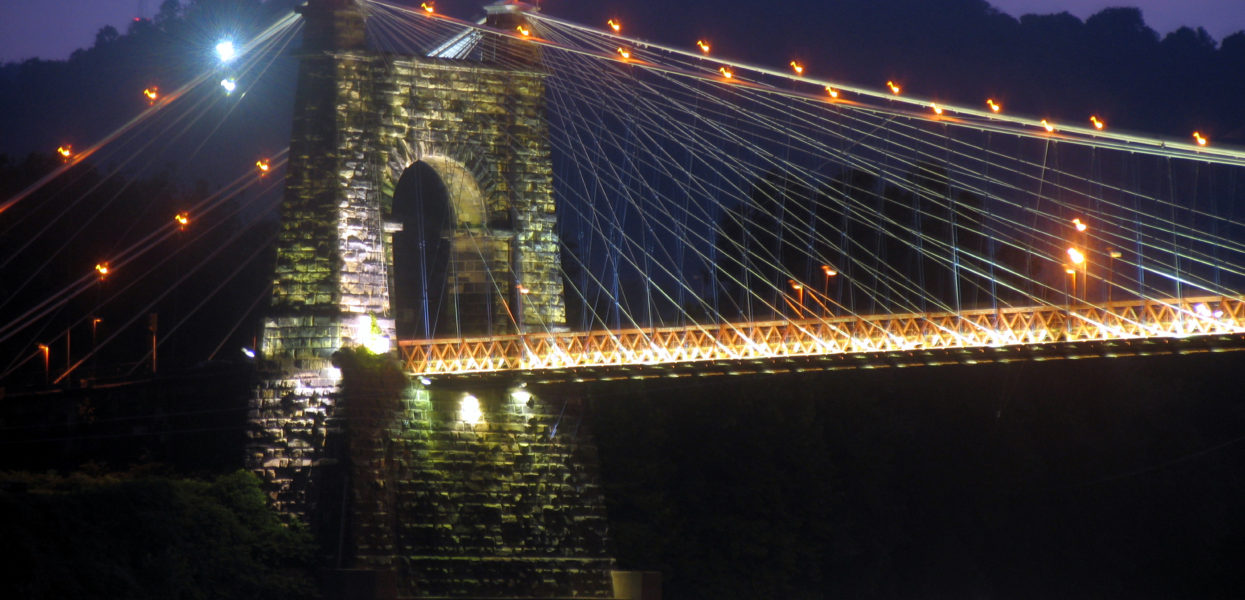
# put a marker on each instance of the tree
(142, 536)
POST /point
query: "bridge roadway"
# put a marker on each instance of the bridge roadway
(1120, 328)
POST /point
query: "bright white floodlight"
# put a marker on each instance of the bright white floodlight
(229, 84)
(225, 51)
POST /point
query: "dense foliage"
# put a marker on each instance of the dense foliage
(142, 536)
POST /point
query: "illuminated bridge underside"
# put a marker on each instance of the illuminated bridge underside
(929, 335)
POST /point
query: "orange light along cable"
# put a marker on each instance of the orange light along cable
(428, 8)
(726, 72)
(994, 106)
(1098, 123)
(615, 25)
(833, 92)
(703, 45)
(797, 67)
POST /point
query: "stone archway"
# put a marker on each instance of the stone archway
(450, 272)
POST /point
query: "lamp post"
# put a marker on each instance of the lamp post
(799, 292)
(1082, 229)
(1112, 254)
(825, 286)
(47, 365)
(1078, 259)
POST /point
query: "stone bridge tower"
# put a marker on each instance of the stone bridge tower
(419, 203)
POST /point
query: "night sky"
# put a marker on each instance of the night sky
(52, 29)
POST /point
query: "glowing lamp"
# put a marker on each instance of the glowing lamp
(1079, 224)
(225, 51)
(937, 109)
(368, 335)
(264, 166)
(615, 25)
(152, 93)
(229, 84)
(427, 7)
(65, 151)
(833, 92)
(623, 52)
(1075, 256)
(726, 72)
(797, 67)
(1050, 128)
(830, 272)
(102, 269)
(894, 87)
(182, 219)
(469, 410)
(703, 45)
(994, 106)
(523, 31)
(1098, 124)
(1201, 141)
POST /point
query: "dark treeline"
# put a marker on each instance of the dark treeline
(48, 103)
(199, 282)
(963, 51)
(894, 256)
(146, 534)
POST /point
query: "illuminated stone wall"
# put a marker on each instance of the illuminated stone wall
(492, 122)
(506, 507)
(361, 119)
(500, 503)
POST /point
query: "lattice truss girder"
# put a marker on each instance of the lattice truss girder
(1122, 320)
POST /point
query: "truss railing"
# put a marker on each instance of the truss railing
(1120, 320)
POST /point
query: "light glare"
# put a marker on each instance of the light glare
(469, 410)
(225, 51)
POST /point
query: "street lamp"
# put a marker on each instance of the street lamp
(825, 286)
(1078, 259)
(1082, 228)
(47, 364)
(799, 290)
(1072, 272)
(1112, 254)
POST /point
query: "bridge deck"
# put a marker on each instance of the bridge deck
(829, 336)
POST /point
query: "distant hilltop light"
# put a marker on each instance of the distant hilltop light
(225, 51)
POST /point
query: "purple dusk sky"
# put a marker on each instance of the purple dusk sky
(53, 29)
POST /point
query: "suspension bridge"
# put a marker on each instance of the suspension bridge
(523, 199)
(712, 210)
(742, 213)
